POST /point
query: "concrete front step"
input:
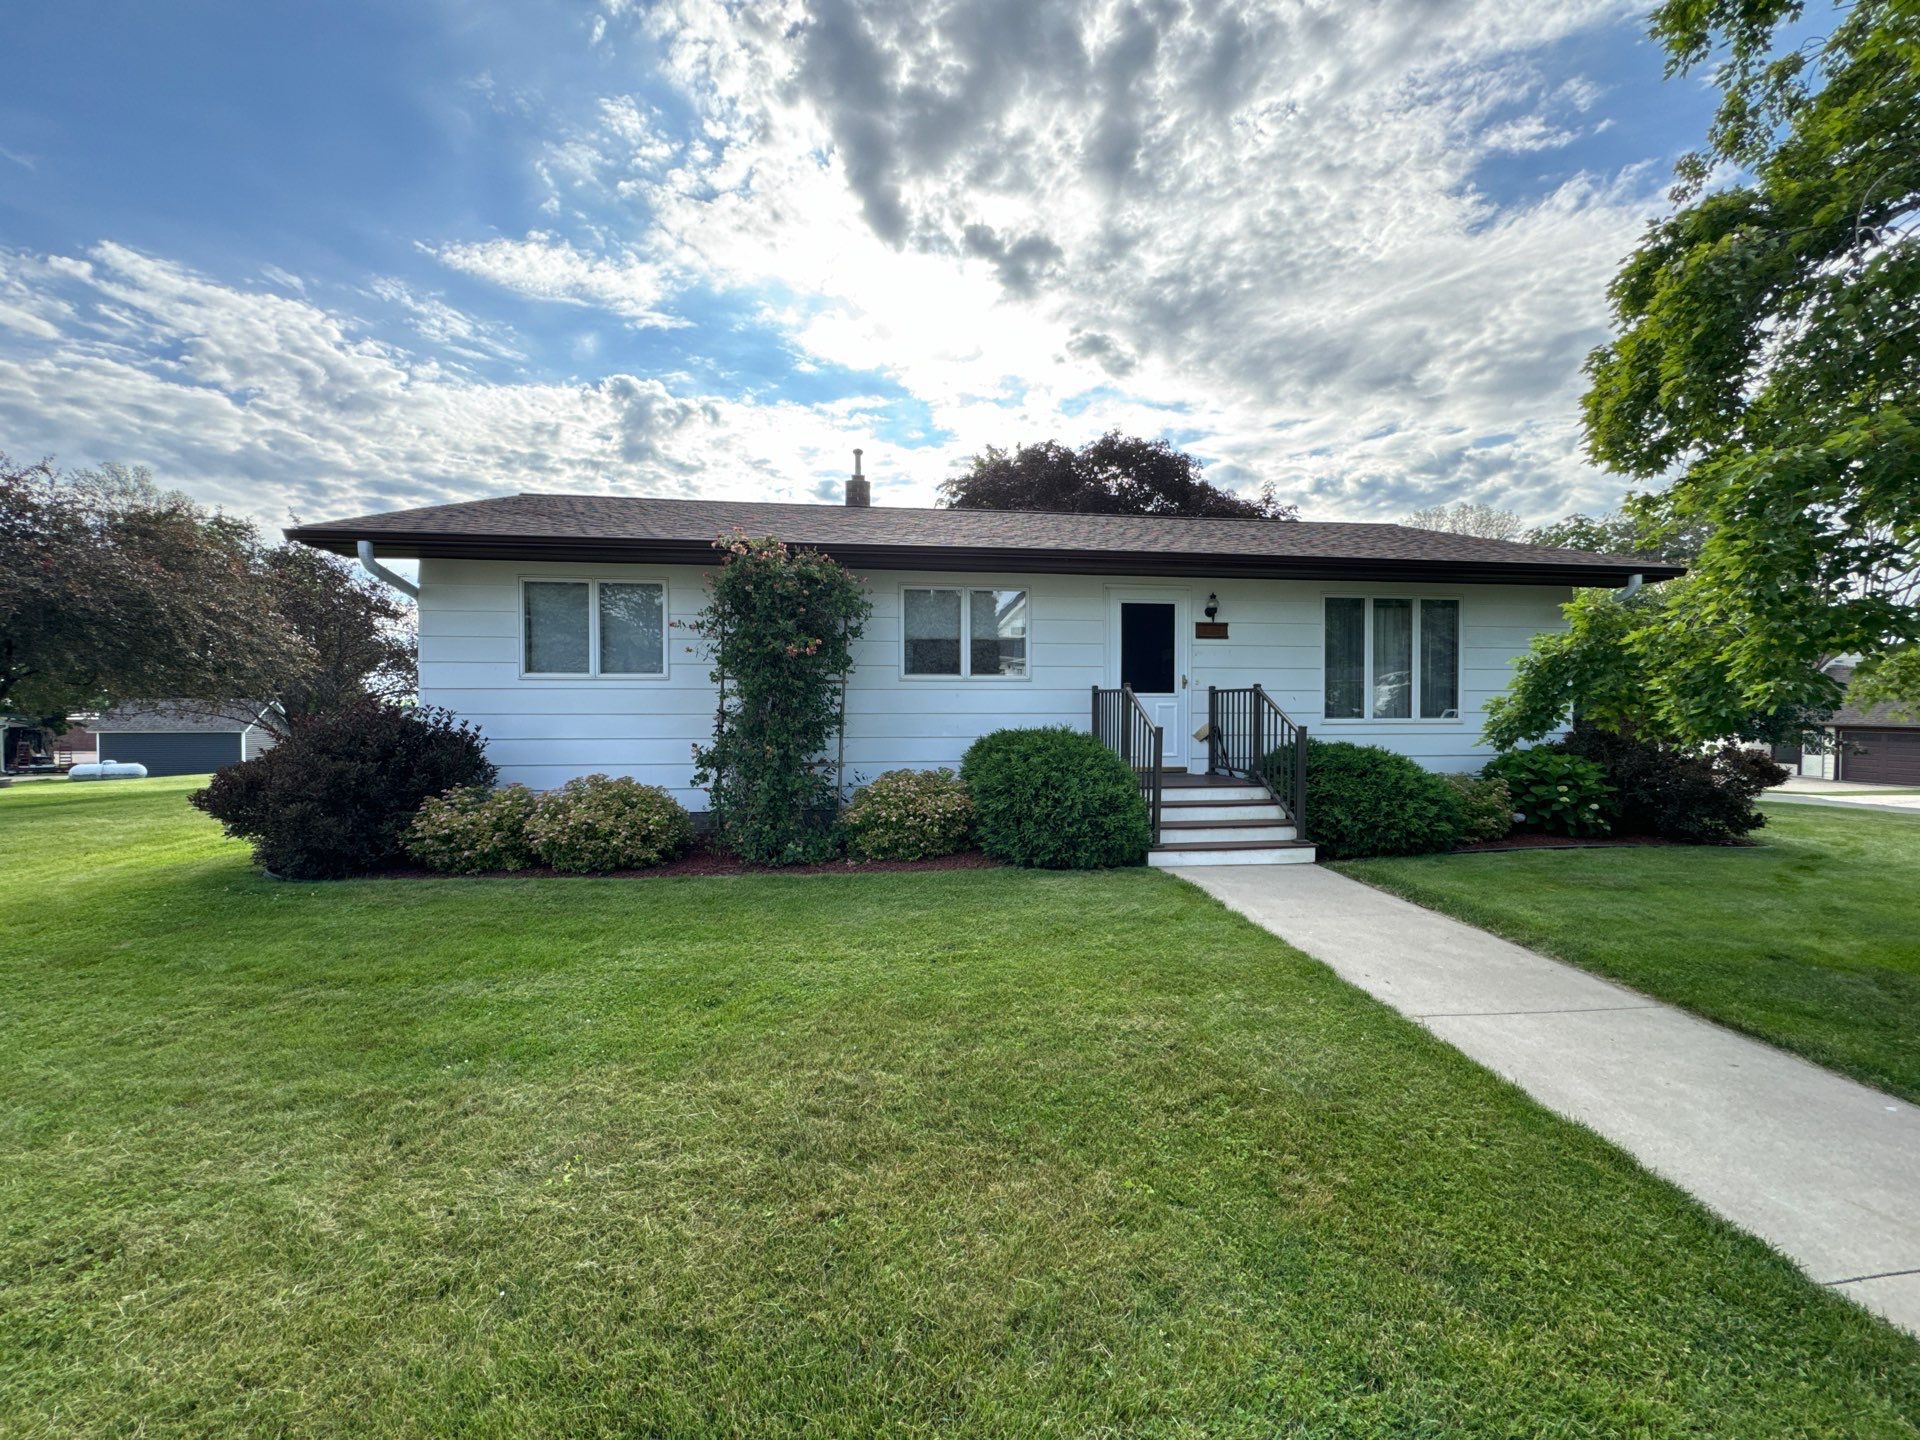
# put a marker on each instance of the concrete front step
(1211, 794)
(1190, 832)
(1227, 852)
(1180, 812)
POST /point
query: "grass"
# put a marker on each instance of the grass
(979, 1153)
(1808, 940)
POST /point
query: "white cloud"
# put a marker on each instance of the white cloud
(432, 318)
(1262, 228)
(1527, 133)
(1261, 223)
(268, 405)
(546, 267)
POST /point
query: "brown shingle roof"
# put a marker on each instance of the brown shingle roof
(608, 527)
(1880, 716)
(179, 717)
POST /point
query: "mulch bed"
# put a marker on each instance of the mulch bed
(1530, 840)
(706, 858)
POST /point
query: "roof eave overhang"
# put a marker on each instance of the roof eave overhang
(1026, 561)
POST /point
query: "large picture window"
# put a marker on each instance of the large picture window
(964, 634)
(608, 628)
(1392, 658)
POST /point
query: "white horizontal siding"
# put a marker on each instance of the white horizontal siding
(544, 731)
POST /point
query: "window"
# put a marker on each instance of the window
(593, 627)
(965, 633)
(1385, 656)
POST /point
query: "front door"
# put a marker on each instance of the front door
(1147, 646)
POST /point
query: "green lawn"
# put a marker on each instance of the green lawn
(978, 1153)
(1810, 939)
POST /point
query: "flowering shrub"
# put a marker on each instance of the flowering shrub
(597, 823)
(781, 625)
(1486, 807)
(909, 815)
(1559, 793)
(473, 830)
(1055, 799)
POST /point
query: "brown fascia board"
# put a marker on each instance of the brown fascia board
(391, 545)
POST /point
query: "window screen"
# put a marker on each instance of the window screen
(1439, 659)
(933, 632)
(632, 629)
(1392, 659)
(556, 626)
(997, 629)
(1346, 659)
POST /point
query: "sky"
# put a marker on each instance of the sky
(317, 258)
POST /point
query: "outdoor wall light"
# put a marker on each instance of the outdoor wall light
(1213, 606)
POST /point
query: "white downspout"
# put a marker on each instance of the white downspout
(399, 582)
(1634, 582)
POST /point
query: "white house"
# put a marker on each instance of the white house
(547, 621)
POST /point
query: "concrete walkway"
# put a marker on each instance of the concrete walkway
(1880, 804)
(1824, 1169)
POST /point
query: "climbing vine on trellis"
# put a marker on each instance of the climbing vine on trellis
(779, 625)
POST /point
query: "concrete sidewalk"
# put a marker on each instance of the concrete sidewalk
(1878, 804)
(1822, 1168)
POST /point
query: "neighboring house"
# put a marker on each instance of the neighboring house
(75, 746)
(1867, 745)
(23, 746)
(549, 622)
(183, 737)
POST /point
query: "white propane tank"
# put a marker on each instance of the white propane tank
(108, 770)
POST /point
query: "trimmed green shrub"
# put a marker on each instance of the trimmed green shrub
(1703, 797)
(337, 794)
(1556, 792)
(1054, 799)
(473, 830)
(1366, 800)
(1486, 809)
(909, 815)
(596, 823)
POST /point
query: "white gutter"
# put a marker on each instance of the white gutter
(400, 582)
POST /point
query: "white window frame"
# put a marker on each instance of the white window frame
(1367, 684)
(594, 673)
(966, 638)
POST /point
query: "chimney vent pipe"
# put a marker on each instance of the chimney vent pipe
(859, 491)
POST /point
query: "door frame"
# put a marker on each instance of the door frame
(1180, 747)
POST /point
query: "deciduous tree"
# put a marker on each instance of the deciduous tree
(356, 635)
(1489, 522)
(112, 589)
(1114, 475)
(1767, 355)
(1622, 532)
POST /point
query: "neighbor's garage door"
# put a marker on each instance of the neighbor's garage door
(1881, 757)
(166, 753)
